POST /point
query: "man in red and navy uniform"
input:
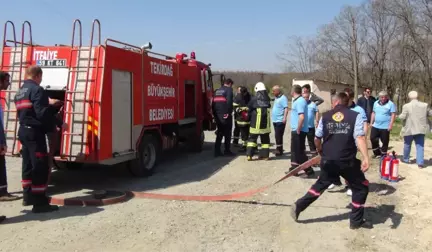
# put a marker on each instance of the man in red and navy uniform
(340, 131)
(222, 110)
(36, 118)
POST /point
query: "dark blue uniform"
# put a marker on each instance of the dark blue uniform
(36, 118)
(339, 129)
(222, 110)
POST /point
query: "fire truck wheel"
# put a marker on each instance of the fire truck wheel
(148, 156)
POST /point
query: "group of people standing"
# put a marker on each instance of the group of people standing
(254, 115)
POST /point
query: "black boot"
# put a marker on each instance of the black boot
(44, 208)
(363, 224)
(41, 204)
(27, 197)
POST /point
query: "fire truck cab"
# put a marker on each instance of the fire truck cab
(123, 103)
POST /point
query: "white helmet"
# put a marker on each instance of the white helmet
(260, 87)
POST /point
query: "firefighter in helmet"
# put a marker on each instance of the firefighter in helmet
(259, 114)
(241, 101)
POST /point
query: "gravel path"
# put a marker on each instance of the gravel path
(260, 223)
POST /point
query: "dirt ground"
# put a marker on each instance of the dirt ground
(402, 217)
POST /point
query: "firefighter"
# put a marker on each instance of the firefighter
(341, 130)
(222, 110)
(36, 118)
(241, 102)
(236, 134)
(259, 114)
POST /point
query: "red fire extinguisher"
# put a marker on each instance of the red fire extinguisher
(394, 169)
(385, 167)
(244, 115)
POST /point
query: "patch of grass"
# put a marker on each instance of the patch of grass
(397, 127)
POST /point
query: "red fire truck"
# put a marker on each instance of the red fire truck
(123, 103)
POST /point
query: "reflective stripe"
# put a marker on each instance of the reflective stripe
(3, 186)
(357, 205)
(257, 130)
(23, 104)
(242, 123)
(219, 99)
(265, 146)
(26, 182)
(258, 118)
(251, 144)
(313, 192)
(39, 189)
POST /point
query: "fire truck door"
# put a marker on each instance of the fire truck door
(121, 111)
(190, 99)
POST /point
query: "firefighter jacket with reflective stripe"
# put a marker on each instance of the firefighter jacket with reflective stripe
(223, 102)
(259, 113)
(32, 105)
(241, 110)
(338, 134)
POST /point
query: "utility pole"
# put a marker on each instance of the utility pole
(354, 46)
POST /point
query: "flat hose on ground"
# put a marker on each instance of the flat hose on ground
(118, 197)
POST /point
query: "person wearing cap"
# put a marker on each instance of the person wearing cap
(382, 119)
(416, 125)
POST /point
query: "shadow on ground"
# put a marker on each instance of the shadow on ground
(177, 167)
(64, 212)
(376, 215)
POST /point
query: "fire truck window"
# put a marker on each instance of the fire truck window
(209, 80)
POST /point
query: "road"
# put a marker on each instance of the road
(259, 223)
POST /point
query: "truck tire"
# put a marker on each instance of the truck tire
(148, 156)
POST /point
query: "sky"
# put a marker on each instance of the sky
(229, 34)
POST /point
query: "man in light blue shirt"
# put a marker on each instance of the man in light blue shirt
(312, 121)
(279, 117)
(299, 130)
(382, 119)
(4, 194)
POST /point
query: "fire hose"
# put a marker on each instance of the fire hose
(126, 195)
